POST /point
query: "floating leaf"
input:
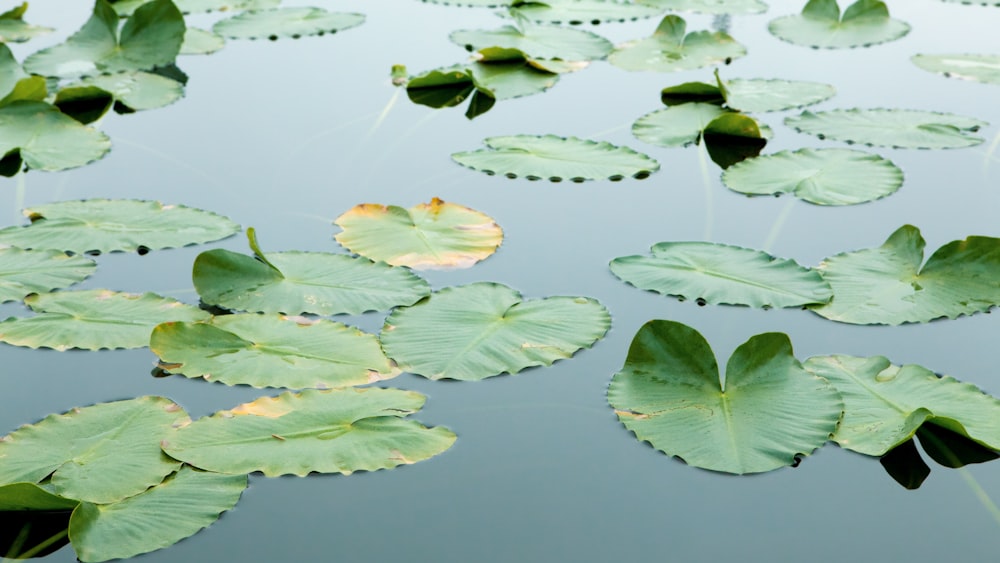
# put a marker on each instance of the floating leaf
(981, 68)
(178, 507)
(557, 158)
(137, 91)
(335, 431)
(201, 42)
(101, 453)
(94, 319)
(271, 351)
(896, 128)
(733, 7)
(39, 271)
(302, 282)
(820, 25)
(43, 138)
(472, 3)
(722, 274)
(451, 86)
(126, 7)
(820, 176)
(770, 412)
(116, 225)
(13, 28)
(28, 496)
(484, 329)
(687, 124)
(151, 37)
(733, 137)
(538, 41)
(886, 285)
(430, 235)
(576, 12)
(762, 95)
(670, 50)
(286, 22)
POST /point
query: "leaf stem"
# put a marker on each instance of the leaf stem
(779, 223)
(706, 184)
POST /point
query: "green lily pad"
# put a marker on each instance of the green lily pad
(116, 225)
(101, 453)
(885, 404)
(722, 274)
(15, 84)
(40, 136)
(201, 42)
(896, 128)
(538, 41)
(94, 319)
(820, 176)
(13, 28)
(484, 329)
(557, 158)
(576, 12)
(151, 37)
(887, 285)
(670, 50)
(686, 124)
(430, 235)
(29, 496)
(39, 271)
(271, 351)
(763, 95)
(820, 25)
(732, 7)
(137, 91)
(302, 282)
(126, 7)
(334, 431)
(177, 508)
(981, 68)
(286, 22)
(769, 414)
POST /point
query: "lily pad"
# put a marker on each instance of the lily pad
(271, 351)
(762, 95)
(137, 91)
(483, 82)
(686, 124)
(538, 41)
(286, 22)
(39, 271)
(40, 136)
(428, 236)
(722, 274)
(981, 68)
(576, 12)
(334, 431)
(820, 25)
(887, 285)
(896, 128)
(178, 507)
(201, 42)
(101, 453)
(480, 330)
(116, 225)
(28, 496)
(13, 28)
(732, 7)
(670, 50)
(15, 84)
(94, 319)
(126, 7)
(557, 158)
(769, 414)
(820, 176)
(302, 282)
(151, 37)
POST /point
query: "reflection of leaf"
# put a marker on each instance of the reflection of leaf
(733, 7)
(557, 158)
(722, 274)
(43, 138)
(286, 22)
(770, 413)
(670, 50)
(159, 517)
(39, 271)
(102, 453)
(430, 235)
(576, 12)
(13, 28)
(820, 25)
(981, 68)
(887, 285)
(897, 128)
(336, 431)
(484, 329)
(904, 464)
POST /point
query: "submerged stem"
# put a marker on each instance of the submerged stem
(706, 184)
(779, 223)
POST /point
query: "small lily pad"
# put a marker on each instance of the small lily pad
(576, 12)
(201, 42)
(13, 28)
(896, 128)
(538, 41)
(981, 68)
(39, 271)
(762, 95)
(733, 7)
(557, 158)
(670, 50)
(820, 25)
(41, 137)
(286, 22)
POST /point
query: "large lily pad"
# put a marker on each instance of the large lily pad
(887, 285)
(722, 274)
(430, 235)
(101, 453)
(670, 50)
(39, 271)
(43, 138)
(178, 507)
(897, 128)
(981, 68)
(94, 319)
(557, 158)
(271, 351)
(576, 12)
(286, 22)
(484, 329)
(769, 414)
(13, 28)
(538, 41)
(302, 282)
(733, 7)
(820, 176)
(335, 431)
(116, 225)
(762, 95)
(820, 25)
(151, 37)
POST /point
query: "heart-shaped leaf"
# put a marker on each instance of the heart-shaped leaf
(820, 25)
(40, 136)
(670, 50)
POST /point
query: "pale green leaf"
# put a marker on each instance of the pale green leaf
(126, 7)
(864, 23)
(897, 128)
(201, 42)
(981, 68)
(39, 271)
(538, 41)
(576, 12)
(670, 50)
(13, 28)
(43, 138)
(732, 7)
(286, 22)
(137, 90)
(762, 95)
(29, 496)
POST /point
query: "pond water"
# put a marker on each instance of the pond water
(286, 135)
